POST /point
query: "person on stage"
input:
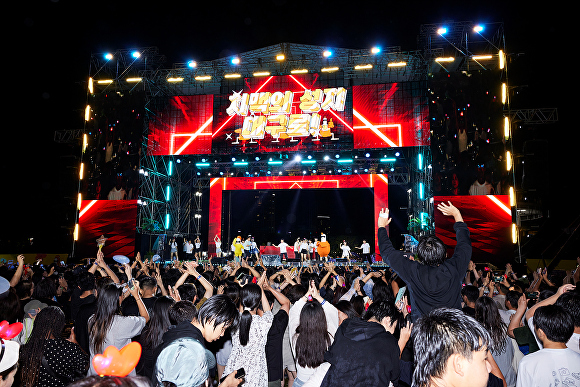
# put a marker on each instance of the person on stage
(323, 248)
(238, 249)
(218, 246)
(247, 246)
(254, 251)
(197, 247)
(345, 251)
(303, 248)
(312, 248)
(188, 250)
(366, 251)
(283, 246)
(296, 248)
(173, 246)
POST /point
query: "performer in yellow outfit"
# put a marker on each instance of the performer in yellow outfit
(238, 248)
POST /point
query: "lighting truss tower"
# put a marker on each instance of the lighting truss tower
(420, 194)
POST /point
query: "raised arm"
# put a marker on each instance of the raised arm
(19, 270)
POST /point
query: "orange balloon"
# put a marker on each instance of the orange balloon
(117, 363)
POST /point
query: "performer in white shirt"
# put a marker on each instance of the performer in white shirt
(366, 251)
(283, 246)
(218, 246)
(345, 250)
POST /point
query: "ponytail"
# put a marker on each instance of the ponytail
(250, 298)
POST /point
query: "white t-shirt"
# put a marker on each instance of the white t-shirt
(549, 367)
(573, 343)
(345, 251)
(366, 248)
(189, 248)
(282, 246)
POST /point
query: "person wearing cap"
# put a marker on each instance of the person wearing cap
(8, 362)
(31, 309)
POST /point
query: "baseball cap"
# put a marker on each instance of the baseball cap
(33, 305)
(9, 355)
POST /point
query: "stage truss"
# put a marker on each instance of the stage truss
(179, 212)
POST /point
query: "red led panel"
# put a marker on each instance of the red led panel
(489, 220)
(115, 219)
(183, 127)
(390, 115)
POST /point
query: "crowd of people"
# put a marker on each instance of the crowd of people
(428, 320)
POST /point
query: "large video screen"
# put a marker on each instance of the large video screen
(301, 112)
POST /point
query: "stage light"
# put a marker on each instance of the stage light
(76, 232)
(192, 64)
(512, 197)
(261, 74)
(90, 85)
(174, 79)
(280, 57)
(81, 171)
(104, 81)
(276, 162)
(297, 158)
(442, 31)
(327, 53)
(345, 161)
(363, 67)
(203, 78)
(85, 142)
(329, 69)
(388, 160)
(420, 162)
(134, 80)
(136, 54)
(481, 57)
(202, 165)
(108, 56)
(236, 61)
(241, 164)
(232, 75)
(508, 161)
(88, 113)
(170, 168)
(397, 64)
(367, 155)
(257, 158)
(178, 161)
(79, 201)
(506, 128)
(514, 233)
(233, 159)
(167, 193)
(337, 156)
(503, 93)
(501, 59)
(397, 154)
(375, 50)
(444, 59)
(421, 191)
(308, 161)
(478, 28)
(299, 71)
(326, 158)
(167, 221)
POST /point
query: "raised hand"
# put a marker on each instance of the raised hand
(450, 210)
(384, 218)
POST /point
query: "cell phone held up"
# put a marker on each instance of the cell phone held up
(240, 374)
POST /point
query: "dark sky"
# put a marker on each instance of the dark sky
(49, 45)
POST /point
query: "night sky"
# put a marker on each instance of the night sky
(49, 44)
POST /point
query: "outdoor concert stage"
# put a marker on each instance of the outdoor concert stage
(172, 151)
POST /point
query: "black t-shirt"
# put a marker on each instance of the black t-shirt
(129, 306)
(468, 311)
(274, 346)
(81, 324)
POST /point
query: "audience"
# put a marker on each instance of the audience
(420, 322)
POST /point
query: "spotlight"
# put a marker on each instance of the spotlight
(298, 158)
(108, 56)
(478, 28)
(375, 50)
(192, 64)
(327, 53)
(326, 158)
(136, 54)
(235, 60)
(442, 31)
(280, 57)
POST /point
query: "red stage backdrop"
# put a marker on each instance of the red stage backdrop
(378, 182)
(115, 219)
(489, 220)
(305, 112)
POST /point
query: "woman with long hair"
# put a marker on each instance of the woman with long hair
(249, 341)
(47, 359)
(107, 327)
(501, 348)
(312, 322)
(152, 334)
